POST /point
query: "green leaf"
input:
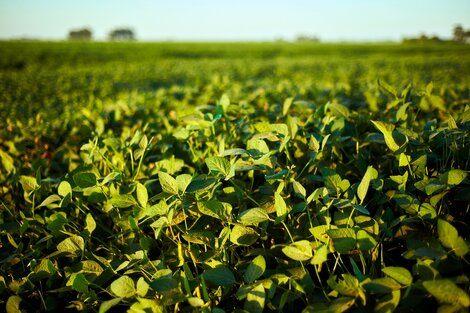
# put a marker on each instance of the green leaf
(286, 106)
(447, 233)
(299, 250)
(446, 291)
(243, 236)
(341, 304)
(381, 285)
(218, 165)
(400, 274)
(224, 101)
(255, 299)
(453, 177)
(299, 189)
(386, 129)
(163, 281)
(123, 287)
(388, 302)
(79, 282)
(28, 183)
(370, 174)
(365, 241)
(344, 239)
(144, 142)
(64, 188)
(450, 239)
(219, 276)
(255, 269)
(111, 177)
(321, 255)
(212, 208)
(73, 245)
(253, 216)
(13, 304)
(195, 302)
(122, 201)
(280, 205)
(7, 162)
(183, 182)
(107, 305)
(142, 195)
(90, 223)
(49, 200)
(85, 179)
(168, 183)
(142, 287)
(387, 88)
(349, 286)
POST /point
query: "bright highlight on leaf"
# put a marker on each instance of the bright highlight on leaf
(387, 129)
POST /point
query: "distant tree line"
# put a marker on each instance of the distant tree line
(460, 35)
(119, 34)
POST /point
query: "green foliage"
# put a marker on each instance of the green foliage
(257, 177)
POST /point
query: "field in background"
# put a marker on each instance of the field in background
(259, 176)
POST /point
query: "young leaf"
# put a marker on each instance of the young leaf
(255, 269)
(90, 223)
(64, 188)
(142, 195)
(370, 174)
(286, 106)
(386, 129)
(168, 183)
(123, 287)
(195, 302)
(280, 205)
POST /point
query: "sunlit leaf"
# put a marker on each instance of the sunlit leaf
(123, 287)
(445, 291)
(255, 269)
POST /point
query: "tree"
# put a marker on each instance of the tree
(83, 34)
(122, 34)
(460, 35)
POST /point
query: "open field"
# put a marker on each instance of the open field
(275, 177)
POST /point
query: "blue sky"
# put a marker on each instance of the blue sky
(334, 20)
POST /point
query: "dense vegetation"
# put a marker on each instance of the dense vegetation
(219, 177)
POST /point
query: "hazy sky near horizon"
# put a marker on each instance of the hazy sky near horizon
(336, 20)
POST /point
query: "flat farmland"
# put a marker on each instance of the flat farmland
(231, 177)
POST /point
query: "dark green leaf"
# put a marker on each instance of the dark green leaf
(85, 179)
(219, 276)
